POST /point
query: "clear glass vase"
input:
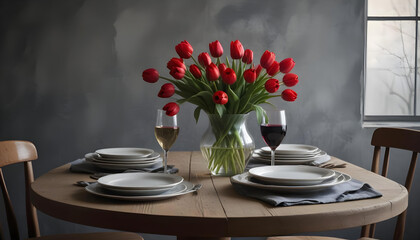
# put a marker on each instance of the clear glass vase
(226, 145)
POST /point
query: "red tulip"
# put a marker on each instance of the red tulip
(290, 79)
(196, 72)
(258, 69)
(236, 50)
(171, 108)
(222, 67)
(212, 72)
(267, 59)
(150, 75)
(289, 95)
(287, 65)
(204, 59)
(220, 97)
(248, 56)
(216, 49)
(176, 62)
(250, 75)
(167, 90)
(272, 85)
(184, 49)
(273, 69)
(229, 76)
(177, 72)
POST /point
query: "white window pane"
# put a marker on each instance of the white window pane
(390, 68)
(391, 8)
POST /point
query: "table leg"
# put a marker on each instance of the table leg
(202, 238)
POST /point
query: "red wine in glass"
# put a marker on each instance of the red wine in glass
(273, 134)
(273, 129)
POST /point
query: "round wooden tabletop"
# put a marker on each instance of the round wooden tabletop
(216, 210)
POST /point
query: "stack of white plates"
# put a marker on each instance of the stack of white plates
(124, 158)
(291, 178)
(140, 186)
(292, 154)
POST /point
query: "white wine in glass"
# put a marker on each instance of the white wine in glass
(166, 132)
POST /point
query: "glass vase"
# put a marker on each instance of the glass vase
(226, 145)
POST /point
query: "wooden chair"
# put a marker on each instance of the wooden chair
(399, 138)
(12, 152)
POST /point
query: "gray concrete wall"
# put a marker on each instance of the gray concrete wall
(70, 78)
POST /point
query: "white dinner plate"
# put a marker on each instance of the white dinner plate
(261, 153)
(246, 179)
(140, 181)
(98, 157)
(122, 167)
(296, 175)
(292, 149)
(291, 157)
(173, 192)
(93, 157)
(141, 192)
(284, 162)
(125, 153)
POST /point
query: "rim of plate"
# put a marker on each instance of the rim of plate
(124, 152)
(140, 180)
(293, 149)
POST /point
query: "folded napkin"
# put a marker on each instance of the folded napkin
(83, 166)
(351, 190)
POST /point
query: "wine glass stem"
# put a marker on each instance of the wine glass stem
(272, 157)
(165, 161)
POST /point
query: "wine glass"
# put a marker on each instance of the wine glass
(273, 129)
(166, 132)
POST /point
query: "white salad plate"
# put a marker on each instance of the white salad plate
(125, 153)
(292, 149)
(140, 181)
(284, 162)
(141, 192)
(180, 189)
(284, 157)
(246, 179)
(279, 155)
(296, 175)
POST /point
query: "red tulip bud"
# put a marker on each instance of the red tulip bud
(273, 69)
(248, 56)
(290, 79)
(196, 72)
(258, 70)
(272, 85)
(220, 97)
(222, 67)
(216, 49)
(176, 62)
(287, 65)
(171, 108)
(212, 72)
(267, 59)
(229, 76)
(289, 95)
(150, 75)
(167, 90)
(177, 72)
(236, 50)
(184, 49)
(250, 75)
(204, 59)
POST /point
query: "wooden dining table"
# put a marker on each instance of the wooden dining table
(216, 211)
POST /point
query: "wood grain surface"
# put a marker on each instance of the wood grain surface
(216, 210)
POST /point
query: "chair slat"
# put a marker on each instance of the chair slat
(10, 213)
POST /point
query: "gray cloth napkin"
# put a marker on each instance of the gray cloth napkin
(352, 190)
(82, 166)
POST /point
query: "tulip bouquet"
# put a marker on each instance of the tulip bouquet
(236, 86)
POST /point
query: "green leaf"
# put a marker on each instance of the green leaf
(197, 114)
(220, 109)
(259, 111)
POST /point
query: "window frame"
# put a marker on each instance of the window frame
(391, 120)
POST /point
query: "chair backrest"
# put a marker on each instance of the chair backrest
(400, 138)
(12, 152)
